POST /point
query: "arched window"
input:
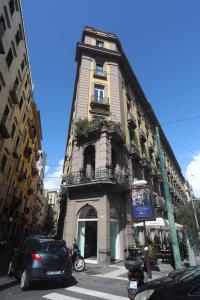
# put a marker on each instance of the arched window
(87, 212)
(89, 158)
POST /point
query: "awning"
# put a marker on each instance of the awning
(159, 223)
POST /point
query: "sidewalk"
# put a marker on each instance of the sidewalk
(5, 254)
(118, 271)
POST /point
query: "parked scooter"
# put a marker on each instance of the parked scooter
(134, 265)
(77, 259)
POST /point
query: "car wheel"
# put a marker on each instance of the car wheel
(10, 270)
(24, 282)
(79, 265)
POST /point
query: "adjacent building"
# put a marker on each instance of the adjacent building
(20, 128)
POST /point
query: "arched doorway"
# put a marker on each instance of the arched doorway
(87, 233)
(114, 235)
(89, 161)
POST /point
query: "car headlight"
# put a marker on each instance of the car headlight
(144, 295)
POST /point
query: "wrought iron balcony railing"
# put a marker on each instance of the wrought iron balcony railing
(97, 175)
(131, 120)
(99, 100)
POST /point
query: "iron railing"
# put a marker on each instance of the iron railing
(97, 175)
(100, 100)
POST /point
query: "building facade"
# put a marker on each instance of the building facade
(111, 142)
(20, 126)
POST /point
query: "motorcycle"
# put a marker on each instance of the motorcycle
(77, 259)
(134, 265)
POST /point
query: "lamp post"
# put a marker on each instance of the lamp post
(141, 184)
(195, 215)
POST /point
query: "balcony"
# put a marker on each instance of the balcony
(30, 191)
(134, 151)
(131, 120)
(34, 172)
(15, 154)
(32, 131)
(27, 152)
(13, 94)
(22, 177)
(86, 129)
(145, 163)
(101, 175)
(102, 102)
(142, 135)
(4, 133)
(100, 73)
(150, 147)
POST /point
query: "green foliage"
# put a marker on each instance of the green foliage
(82, 125)
(185, 216)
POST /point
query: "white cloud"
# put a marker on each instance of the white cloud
(193, 174)
(53, 176)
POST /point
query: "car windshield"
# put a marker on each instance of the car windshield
(53, 246)
(189, 274)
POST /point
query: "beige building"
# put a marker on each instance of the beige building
(20, 126)
(111, 142)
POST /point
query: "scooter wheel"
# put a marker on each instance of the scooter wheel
(79, 265)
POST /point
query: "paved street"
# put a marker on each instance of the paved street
(97, 282)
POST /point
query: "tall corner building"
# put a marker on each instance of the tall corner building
(111, 142)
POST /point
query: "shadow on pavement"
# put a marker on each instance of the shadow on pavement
(48, 285)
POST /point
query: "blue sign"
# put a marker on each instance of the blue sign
(142, 208)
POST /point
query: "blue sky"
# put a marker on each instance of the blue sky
(162, 42)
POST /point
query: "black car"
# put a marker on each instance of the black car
(38, 258)
(184, 286)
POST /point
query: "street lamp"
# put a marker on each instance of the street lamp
(195, 215)
(141, 184)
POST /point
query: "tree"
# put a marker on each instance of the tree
(185, 216)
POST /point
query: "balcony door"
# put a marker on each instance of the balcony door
(98, 92)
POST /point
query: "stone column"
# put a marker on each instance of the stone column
(104, 231)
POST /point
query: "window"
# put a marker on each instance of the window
(22, 65)
(6, 16)
(11, 7)
(98, 92)
(19, 75)
(18, 37)
(6, 113)
(9, 58)
(9, 172)
(21, 103)
(99, 70)
(13, 130)
(14, 49)
(2, 25)
(99, 44)
(26, 83)
(2, 82)
(24, 117)
(3, 163)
